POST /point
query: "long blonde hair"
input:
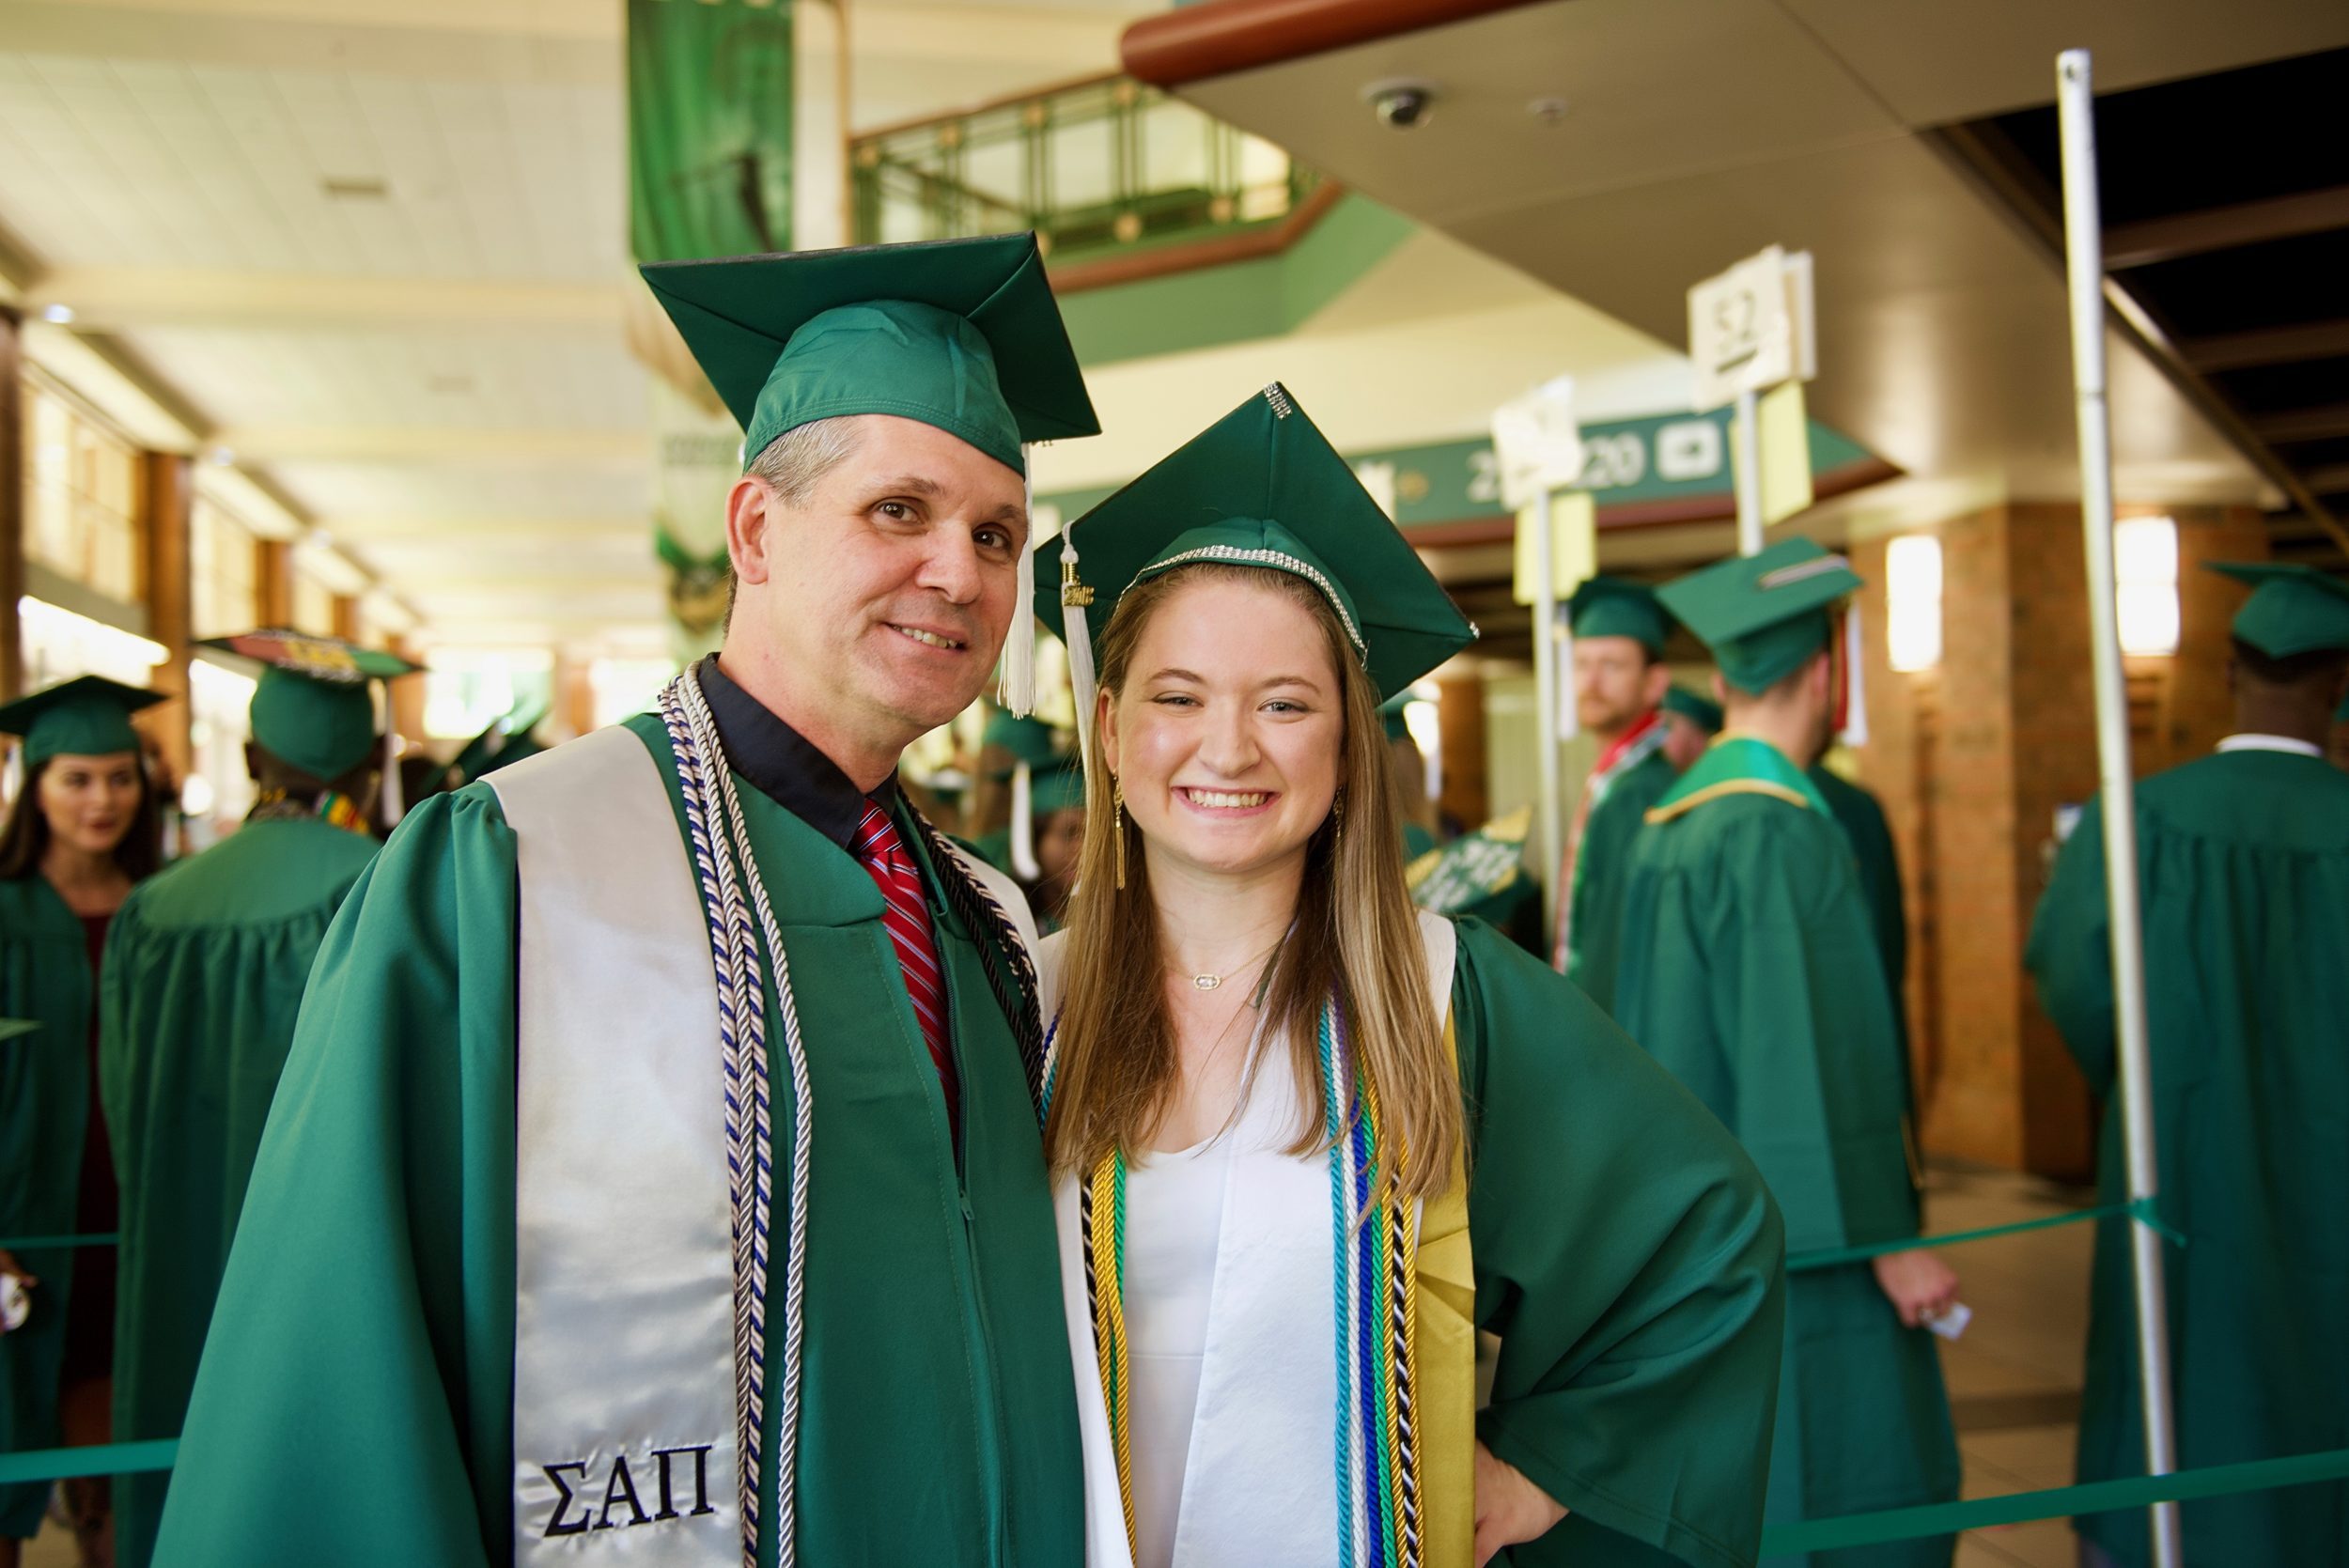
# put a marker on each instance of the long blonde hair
(1356, 936)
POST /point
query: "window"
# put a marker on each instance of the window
(2145, 574)
(313, 605)
(219, 787)
(82, 496)
(60, 644)
(224, 573)
(468, 690)
(1912, 572)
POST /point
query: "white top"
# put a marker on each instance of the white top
(1174, 1219)
(2269, 743)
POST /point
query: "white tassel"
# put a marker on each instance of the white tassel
(1855, 699)
(395, 802)
(1016, 690)
(1078, 635)
(1023, 823)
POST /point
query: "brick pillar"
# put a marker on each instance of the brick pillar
(273, 582)
(170, 495)
(1460, 733)
(12, 482)
(347, 616)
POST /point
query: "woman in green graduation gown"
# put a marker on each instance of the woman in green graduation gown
(1306, 1139)
(82, 831)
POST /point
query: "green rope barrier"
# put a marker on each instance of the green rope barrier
(95, 1459)
(28, 1243)
(2061, 1503)
(2141, 1208)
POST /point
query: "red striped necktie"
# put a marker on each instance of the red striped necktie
(907, 915)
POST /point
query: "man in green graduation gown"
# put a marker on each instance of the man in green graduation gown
(1751, 972)
(1861, 814)
(203, 974)
(656, 1174)
(2243, 885)
(1619, 677)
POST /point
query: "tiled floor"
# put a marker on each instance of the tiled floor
(2015, 1378)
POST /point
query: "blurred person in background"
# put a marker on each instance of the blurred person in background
(83, 830)
(203, 979)
(2243, 863)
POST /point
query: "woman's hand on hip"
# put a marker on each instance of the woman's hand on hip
(1509, 1508)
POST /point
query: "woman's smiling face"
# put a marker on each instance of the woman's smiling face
(1228, 735)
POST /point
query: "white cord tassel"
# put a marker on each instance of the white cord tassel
(1855, 701)
(1023, 823)
(1016, 690)
(1078, 637)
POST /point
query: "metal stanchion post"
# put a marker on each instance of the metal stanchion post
(1748, 473)
(1546, 840)
(2084, 245)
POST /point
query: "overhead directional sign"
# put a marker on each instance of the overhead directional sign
(1751, 328)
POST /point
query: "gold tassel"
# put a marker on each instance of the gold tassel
(1118, 826)
(1337, 819)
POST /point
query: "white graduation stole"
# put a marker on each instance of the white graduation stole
(1258, 1484)
(624, 1418)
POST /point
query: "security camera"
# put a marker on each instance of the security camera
(1402, 104)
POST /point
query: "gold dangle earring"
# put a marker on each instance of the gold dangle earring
(1118, 826)
(1337, 819)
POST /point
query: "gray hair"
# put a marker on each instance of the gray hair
(793, 464)
(796, 461)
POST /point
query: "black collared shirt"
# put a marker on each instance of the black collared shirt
(785, 766)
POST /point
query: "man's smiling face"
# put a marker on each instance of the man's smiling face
(889, 589)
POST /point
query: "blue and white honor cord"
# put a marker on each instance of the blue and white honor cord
(723, 865)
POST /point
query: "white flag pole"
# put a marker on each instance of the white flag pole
(2084, 246)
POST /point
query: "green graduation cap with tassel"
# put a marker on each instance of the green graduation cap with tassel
(2292, 609)
(312, 707)
(961, 334)
(1763, 615)
(87, 715)
(1261, 487)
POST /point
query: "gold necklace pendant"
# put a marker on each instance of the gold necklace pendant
(1206, 981)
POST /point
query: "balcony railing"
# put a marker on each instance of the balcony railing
(1097, 168)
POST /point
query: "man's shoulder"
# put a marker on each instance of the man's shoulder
(263, 871)
(2279, 800)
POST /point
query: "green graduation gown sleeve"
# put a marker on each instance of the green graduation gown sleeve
(354, 1401)
(44, 1106)
(1630, 1260)
(1861, 817)
(204, 975)
(2243, 883)
(1755, 979)
(1601, 868)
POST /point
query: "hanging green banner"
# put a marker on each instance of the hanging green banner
(709, 128)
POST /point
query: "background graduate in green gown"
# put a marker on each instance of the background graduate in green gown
(1690, 722)
(357, 1403)
(82, 831)
(2244, 878)
(1619, 677)
(1751, 970)
(203, 979)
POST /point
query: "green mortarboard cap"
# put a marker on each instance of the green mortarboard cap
(1028, 739)
(1263, 487)
(1763, 614)
(1704, 711)
(16, 1029)
(962, 334)
(1057, 786)
(2292, 609)
(1611, 607)
(312, 707)
(87, 715)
